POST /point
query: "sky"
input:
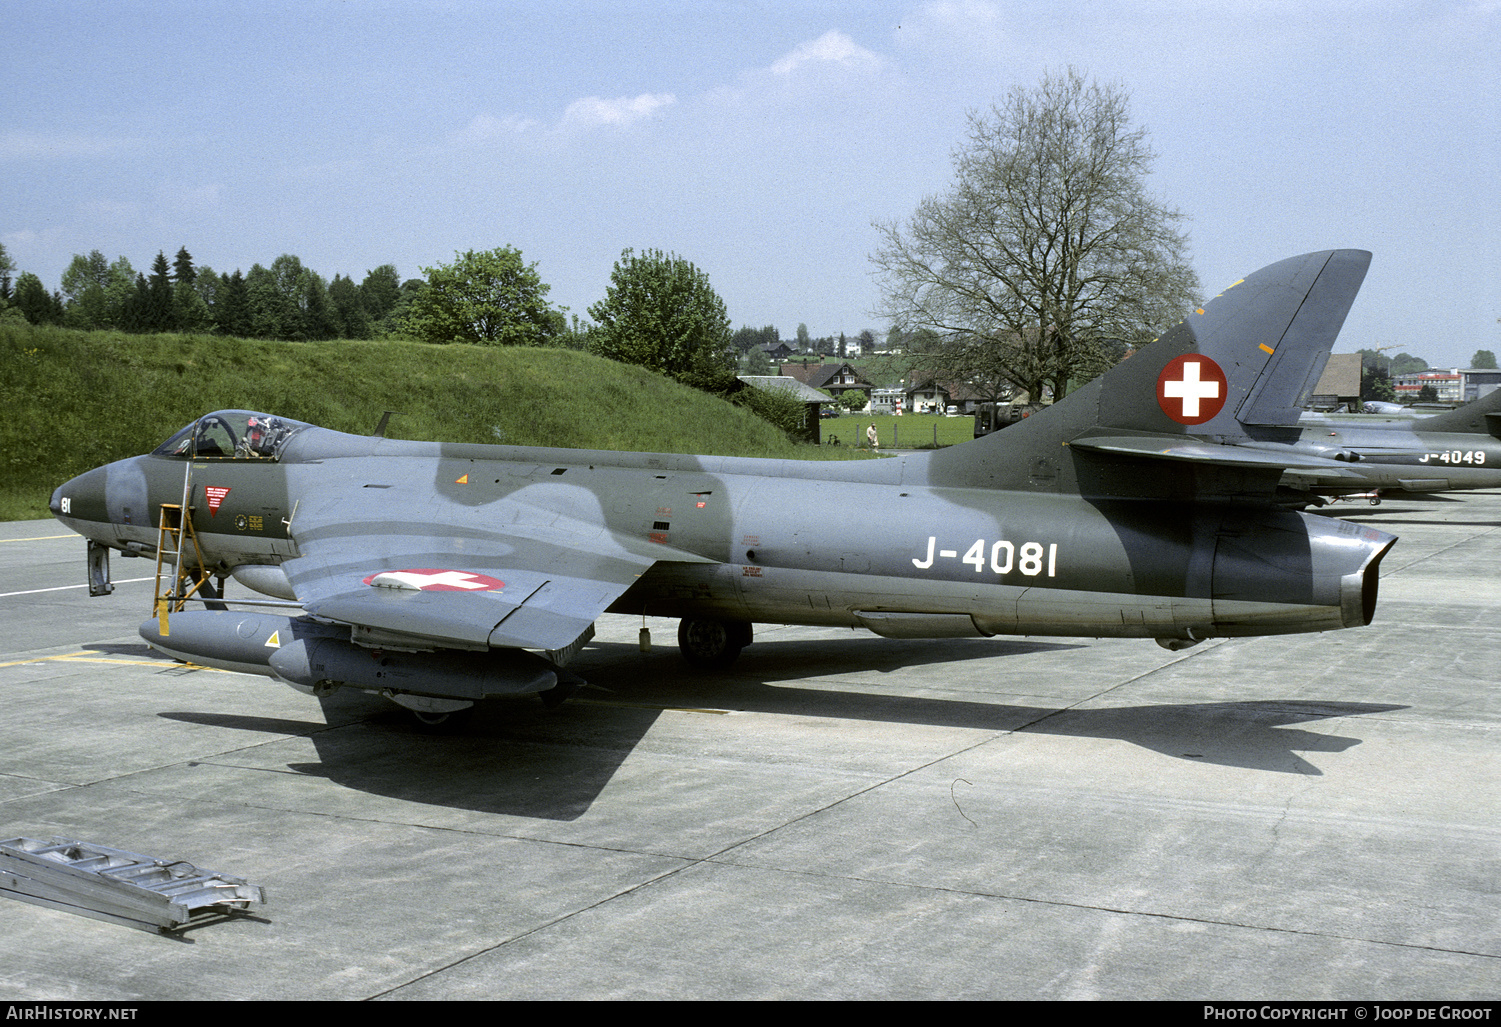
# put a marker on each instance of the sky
(762, 140)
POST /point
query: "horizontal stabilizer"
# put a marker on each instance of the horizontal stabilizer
(1191, 450)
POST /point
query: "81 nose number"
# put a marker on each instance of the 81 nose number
(1004, 557)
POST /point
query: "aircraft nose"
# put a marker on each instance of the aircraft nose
(81, 499)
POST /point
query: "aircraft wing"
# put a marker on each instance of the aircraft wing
(503, 575)
(1187, 449)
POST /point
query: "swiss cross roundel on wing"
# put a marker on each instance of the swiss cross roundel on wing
(1191, 389)
(435, 579)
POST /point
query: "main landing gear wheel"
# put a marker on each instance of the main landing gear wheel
(433, 714)
(442, 723)
(712, 644)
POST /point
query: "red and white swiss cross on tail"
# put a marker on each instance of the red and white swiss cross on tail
(1191, 389)
(431, 579)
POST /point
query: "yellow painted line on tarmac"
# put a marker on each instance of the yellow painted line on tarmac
(90, 658)
(84, 658)
(41, 538)
(77, 658)
(39, 659)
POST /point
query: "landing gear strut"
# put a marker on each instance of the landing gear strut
(712, 644)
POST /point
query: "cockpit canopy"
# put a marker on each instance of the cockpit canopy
(232, 435)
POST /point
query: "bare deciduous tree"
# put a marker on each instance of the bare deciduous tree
(1047, 252)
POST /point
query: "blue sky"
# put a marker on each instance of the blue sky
(759, 140)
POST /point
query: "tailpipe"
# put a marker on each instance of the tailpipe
(1325, 573)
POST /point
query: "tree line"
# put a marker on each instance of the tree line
(287, 300)
(659, 311)
(489, 297)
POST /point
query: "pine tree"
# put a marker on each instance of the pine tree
(271, 314)
(232, 307)
(349, 312)
(159, 314)
(7, 268)
(38, 306)
(182, 267)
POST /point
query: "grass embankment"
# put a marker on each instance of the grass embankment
(71, 400)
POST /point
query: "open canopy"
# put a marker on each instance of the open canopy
(232, 435)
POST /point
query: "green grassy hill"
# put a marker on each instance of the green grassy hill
(73, 400)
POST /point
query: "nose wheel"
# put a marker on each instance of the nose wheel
(712, 644)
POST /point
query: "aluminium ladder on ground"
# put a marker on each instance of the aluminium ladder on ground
(120, 887)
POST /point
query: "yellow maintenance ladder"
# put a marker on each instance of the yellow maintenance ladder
(184, 580)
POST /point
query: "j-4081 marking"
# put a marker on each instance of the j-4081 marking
(1004, 557)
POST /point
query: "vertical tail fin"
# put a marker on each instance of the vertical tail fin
(1482, 417)
(1249, 357)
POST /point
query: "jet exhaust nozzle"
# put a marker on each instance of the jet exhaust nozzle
(1325, 565)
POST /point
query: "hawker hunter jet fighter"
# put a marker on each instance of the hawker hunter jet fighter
(439, 575)
(1457, 449)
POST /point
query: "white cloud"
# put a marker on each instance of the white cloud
(621, 112)
(484, 127)
(833, 47)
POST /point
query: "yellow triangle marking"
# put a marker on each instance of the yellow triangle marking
(462, 481)
(274, 642)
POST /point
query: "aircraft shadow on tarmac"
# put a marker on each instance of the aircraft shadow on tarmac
(1403, 509)
(519, 758)
(1378, 520)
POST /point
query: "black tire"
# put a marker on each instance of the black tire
(712, 644)
(441, 723)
